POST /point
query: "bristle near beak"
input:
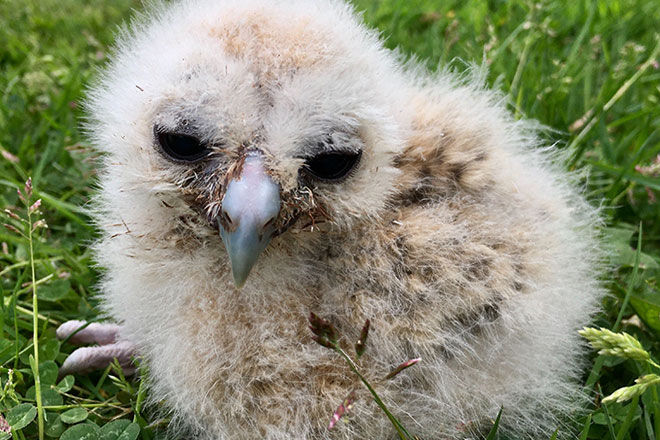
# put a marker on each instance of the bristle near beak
(249, 209)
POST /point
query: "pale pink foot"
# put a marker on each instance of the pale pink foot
(86, 359)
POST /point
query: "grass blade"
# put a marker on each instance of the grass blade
(492, 434)
(631, 281)
(623, 431)
(585, 429)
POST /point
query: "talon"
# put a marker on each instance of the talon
(86, 359)
(94, 333)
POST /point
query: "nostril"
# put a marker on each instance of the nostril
(227, 219)
(270, 222)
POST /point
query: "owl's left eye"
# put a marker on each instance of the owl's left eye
(181, 147)
(332, 167)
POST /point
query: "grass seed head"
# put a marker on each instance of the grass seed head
(360, 345)
(11, 214)
(21, 196)
(8, 156)
(4, 425)
(35, 207)
(402, 367)
(342, 410)
(324, 332)
(628, 393)
(609, 343)
(12, 228)
(39, 224)
(28, 188)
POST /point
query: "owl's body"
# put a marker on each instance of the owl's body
(452, 232)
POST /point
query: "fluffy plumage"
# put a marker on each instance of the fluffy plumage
(456, 234)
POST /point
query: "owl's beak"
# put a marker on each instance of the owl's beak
(249, 209)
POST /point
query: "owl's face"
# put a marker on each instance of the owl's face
(258, 124)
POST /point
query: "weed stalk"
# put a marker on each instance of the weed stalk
(326, 335)
(31, 209)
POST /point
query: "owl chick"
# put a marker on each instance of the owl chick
(268, 159)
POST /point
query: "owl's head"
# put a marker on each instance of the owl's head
(248, 121)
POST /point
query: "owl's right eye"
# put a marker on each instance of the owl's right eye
(181, 147)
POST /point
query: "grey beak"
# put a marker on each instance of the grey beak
(250, 206)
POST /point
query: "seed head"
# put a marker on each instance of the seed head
(12, 228)
(324, 332)
(4, 425)
(39, 224)
(360, 345)
(342, 410)
(627, 393)
(11, 214)
(28, 187)
(402, 367)
(609, 343)
(35, 207)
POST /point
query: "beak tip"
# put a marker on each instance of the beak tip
(239, 280)
(241, 266)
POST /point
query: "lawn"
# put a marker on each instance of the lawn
(588, 70)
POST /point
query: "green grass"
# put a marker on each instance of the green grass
(588, 69)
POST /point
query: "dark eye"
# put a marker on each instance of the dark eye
(181, 147)
(332, 167)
